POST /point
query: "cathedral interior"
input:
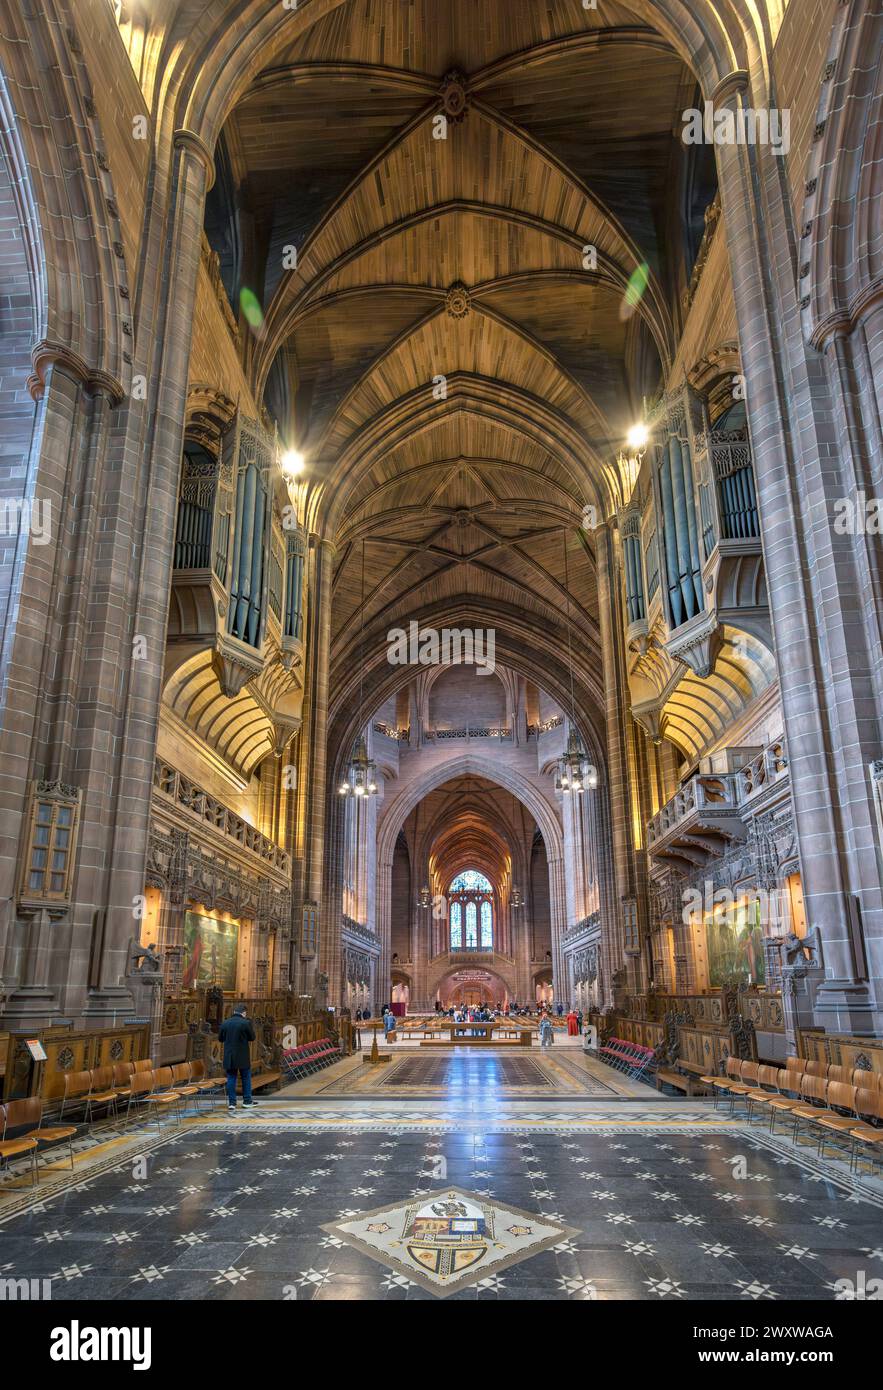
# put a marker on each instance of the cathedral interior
(440, 626)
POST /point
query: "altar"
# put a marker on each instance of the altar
(471, 1030)
(478, 1034)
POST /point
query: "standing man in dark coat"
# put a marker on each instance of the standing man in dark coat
(236, 1033)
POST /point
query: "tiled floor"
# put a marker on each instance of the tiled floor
(458, 1074)
(661, 1200)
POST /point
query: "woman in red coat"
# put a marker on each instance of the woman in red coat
(572, 1024)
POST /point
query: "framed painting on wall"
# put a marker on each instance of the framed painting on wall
(735, 947)
(210, 949)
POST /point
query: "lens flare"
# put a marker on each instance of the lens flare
(292, 462)
(251, 308)
(637, 437)
(634, 291)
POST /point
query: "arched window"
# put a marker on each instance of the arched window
(456, 926)
(487, 927)
(471, 917)
(471, 926)
(471, 881)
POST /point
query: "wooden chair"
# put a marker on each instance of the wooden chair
(211, 1085)
(841, 1096)
(77, 1085)
(868, 1080)
(14, 1148)
(795, 1064)
(162, 1097)
(138, 1092)
(730, 1084)
(840, 1074)
(91, 1088)
(121, 1074)
(782, 1103)
(813, 1091)
(767, 1087)
(21, 1113)
(816, 1069)
(183, 1083)
(101, 1091)
(869, 1105)
(145, 1064)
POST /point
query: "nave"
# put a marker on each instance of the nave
(619, 1196)
(441, 680)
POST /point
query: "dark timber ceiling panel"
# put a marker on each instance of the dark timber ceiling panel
(461, 378)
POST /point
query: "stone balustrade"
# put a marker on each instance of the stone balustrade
(720, 792)
(217, 816)
(764, 771)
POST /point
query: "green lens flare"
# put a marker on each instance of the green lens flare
(251, 308)
(636, 286)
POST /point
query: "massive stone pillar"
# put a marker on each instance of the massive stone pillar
(623, 903)
(312, 780)
(810, 443)
(144, 511)
(85, 663)
(558, 914)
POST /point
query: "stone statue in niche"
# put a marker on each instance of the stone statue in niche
(800, 950)
(143, 960)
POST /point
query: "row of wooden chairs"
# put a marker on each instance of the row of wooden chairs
(165, 1088)
(132, 1082)
(855, 1076)
(848, 1103)
(136, 1084)
(27, 1115)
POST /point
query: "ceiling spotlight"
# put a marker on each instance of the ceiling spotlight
(292, 462)
(637, 437)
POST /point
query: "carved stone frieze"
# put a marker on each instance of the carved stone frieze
(185, 872)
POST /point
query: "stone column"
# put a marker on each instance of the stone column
(610, 959)
(558, 914)
(43, 661)
(148, 501)
(628, 884)
(313, 770)
(817, 600)
(383, 926)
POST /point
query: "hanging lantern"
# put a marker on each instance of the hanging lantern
(425, 896)
(360, 778)
(516, 899)
(575, 772)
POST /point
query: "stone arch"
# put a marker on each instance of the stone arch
(82, 283)
(21, 324)
(480, 766)
(499, 970)
(842, 268)
(517, 642)
(713, 37)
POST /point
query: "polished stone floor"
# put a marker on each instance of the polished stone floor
(461, 1073)
(312, 1199)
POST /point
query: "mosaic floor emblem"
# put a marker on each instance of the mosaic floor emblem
(449, 1240)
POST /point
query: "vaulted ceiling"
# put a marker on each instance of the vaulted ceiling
(456, 368)
(471, 823)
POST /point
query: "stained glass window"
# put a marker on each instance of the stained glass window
(487, 930)
(471, 881)
(471, 925)
(456, 926)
